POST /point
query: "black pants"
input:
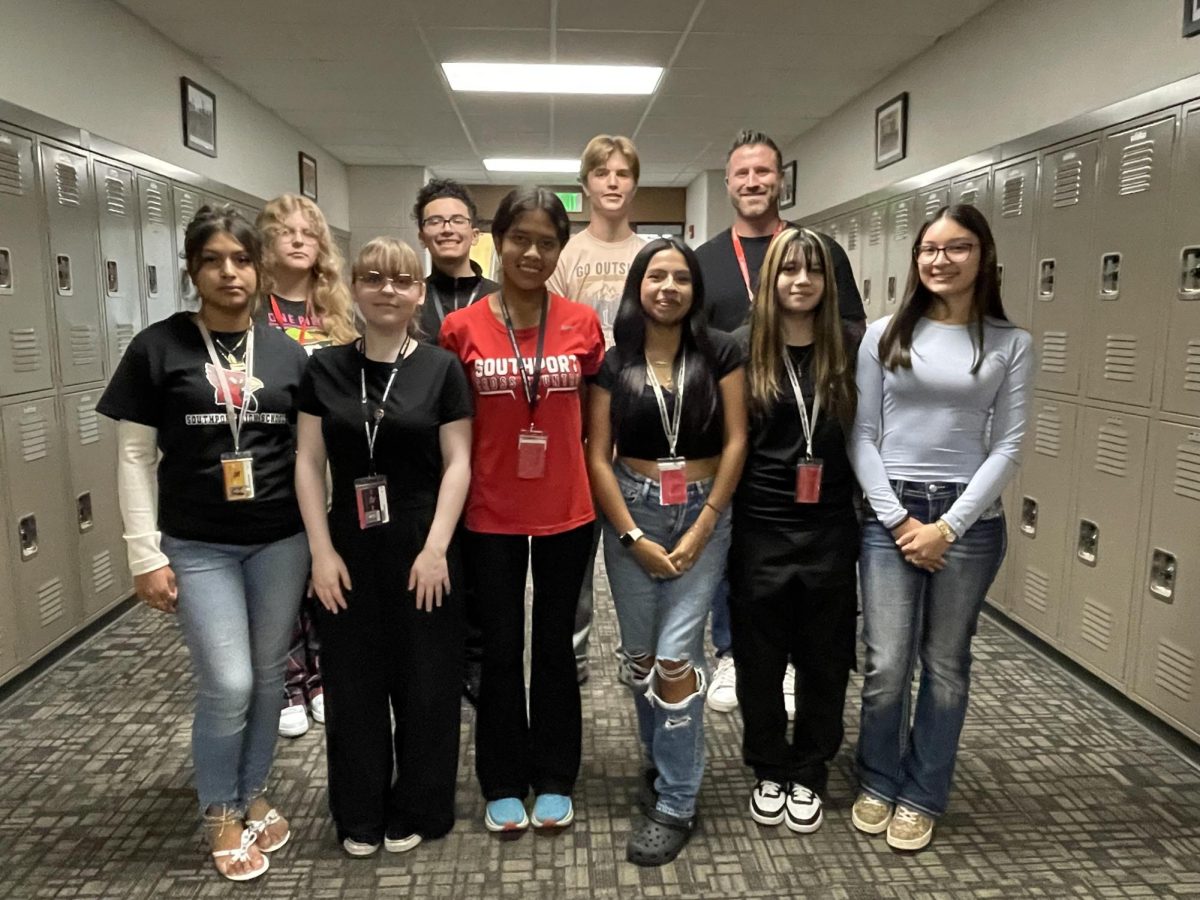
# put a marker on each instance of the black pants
(515, 751)
(793, 598)
(382, 656)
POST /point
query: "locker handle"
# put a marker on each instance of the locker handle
(1189, 274)
(867, 291)
(1046, 279)
(1163, 568)
(6, 280)
(112, 277)
(152, 280)
(891, 290)
(1087, 549)
(27, 534)
(1000, 275)
(1029, 516)
(83, 509)
(62, 266)
(1110, 276)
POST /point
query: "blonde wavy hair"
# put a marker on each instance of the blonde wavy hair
(329, 300)
(391, 256)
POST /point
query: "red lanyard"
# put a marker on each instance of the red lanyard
(279, 323)
(741, 257)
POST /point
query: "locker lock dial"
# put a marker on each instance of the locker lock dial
(1162, 575)
(27, 535)
(1088, 546)
(1029, 513)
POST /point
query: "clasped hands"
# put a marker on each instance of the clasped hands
(661, 563)
(922, 544)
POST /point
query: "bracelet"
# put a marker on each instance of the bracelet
(713, 508)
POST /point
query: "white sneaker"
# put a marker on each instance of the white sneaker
(722, 690)
(293, 721)
(766, 802)
(401, 845)
(318, 709)
(789, 692)
(359, 848)
(803, 809)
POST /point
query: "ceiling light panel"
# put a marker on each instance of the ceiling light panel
(527, 78)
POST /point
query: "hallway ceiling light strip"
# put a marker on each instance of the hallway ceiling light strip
(522, 78)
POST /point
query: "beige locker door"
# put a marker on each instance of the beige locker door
(42, 545)
(871, 275)
(902, 225)
(1167, 663)
(92, 452)
(160, 264)
(1041, 517)
(1012, 221)
(25, 362)
(1181, 384)
(1064, 274)
(1104, 530)
(1132, 262)
(187, 204)
(976, 190)
(930, 200)
(853, 244)
(9, 658)
(1000, 593)
(120, 285)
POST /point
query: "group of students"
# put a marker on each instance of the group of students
(410, 486)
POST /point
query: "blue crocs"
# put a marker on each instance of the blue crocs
(506, 814)
(553, 811)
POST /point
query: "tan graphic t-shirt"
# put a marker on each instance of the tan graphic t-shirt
(593, 271)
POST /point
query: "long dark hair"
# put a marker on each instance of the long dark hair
(530, 199)
(629, 334)
(211, 220)
(895, 347)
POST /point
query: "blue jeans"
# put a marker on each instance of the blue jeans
(911, 614)
(665, 619)
(237, 604)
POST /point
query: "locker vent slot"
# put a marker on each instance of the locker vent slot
(156, 208)
(1176, 670)
(1048, 434)
(1191, 367)
(1137, 166)
(26, 355)
(969, 195)
(1037, 589)
(50, 602)
(68, 183)
(12, 180)
(35, 443)
(1054, 352)
(1013, 203)
(875, 231)
(852, 236)
(89, 422)
(125, 333)
(1068, 183)
(1120, 357)
(1096, 625)
(83, 345)
(102, 572)
(187, 209)
(900, 222)
(932, 204)
(1187, 471)
(114, 196)
(1112, 451)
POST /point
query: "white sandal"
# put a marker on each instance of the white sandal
(258, 827)
(238, 854)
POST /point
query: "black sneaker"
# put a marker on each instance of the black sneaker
(767, 802)
(802, 809)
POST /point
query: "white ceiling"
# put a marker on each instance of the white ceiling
(362, 78)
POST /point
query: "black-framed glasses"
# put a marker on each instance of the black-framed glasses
(374, 281)
(458, 220)
(957, 252)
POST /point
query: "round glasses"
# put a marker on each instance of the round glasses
(458, 221)
(374, 281)
(956, 252)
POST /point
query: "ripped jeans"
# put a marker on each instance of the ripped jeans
(665, 619)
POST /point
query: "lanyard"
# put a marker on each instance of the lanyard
(740, 253)
(280, 323)
(235, 420)
(476, 293)
(529, 382)
(670, 426)
(373, 432)
(809, 425)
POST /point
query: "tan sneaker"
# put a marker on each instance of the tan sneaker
(870, 815)
(909, 829)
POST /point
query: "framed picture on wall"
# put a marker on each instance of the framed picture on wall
(308, 176)
(787, 190)
(891, 131)
(1191, 18)
(199, 108)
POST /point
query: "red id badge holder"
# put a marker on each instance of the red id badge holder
(672, 481)
(370, 493)
(237, 470)
(808, 480)
(531, 453)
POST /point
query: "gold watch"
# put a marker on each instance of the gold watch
(947, 532)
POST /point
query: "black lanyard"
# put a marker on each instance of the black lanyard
(373, 431)
(529, 381)
(437, 299)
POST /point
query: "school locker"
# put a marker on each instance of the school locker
(833, 229)
(120, 285)
(24, 322)
(1129, 298)
(1181, 381)
(1012, 221)
(1064, 272)
(92, 456)
(1041, 516)
(9, 657)
(187, 203)
(930, 200)
(160, 264)
(973, 189)
(853, 242)
(42, 548)
(902, 227)
(871, 275)
(71, 209)
(1167, 658)
(1104, 536)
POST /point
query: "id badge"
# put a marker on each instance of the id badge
(531, 453)
(672, 481)
(238, 472)
(808, 481)
(371, 495)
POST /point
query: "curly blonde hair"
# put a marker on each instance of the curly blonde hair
(329, 299)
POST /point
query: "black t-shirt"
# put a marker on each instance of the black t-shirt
(640, 435)
(444, 294)
(725, 291)
(430, 389)
(166, 381)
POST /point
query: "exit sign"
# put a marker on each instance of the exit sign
(572, 201)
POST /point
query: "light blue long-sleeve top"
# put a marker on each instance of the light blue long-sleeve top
(937, 421)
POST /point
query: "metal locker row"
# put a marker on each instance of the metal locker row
(874, 250)
(160, 263)
(120, 282)
(1181, 381)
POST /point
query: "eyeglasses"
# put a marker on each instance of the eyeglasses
(374, 281)
(458, 221)
(306, 235)
(956, 252)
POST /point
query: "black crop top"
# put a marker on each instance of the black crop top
(639, 434)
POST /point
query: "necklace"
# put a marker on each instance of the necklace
(231, 352)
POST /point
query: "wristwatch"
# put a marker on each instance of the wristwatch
(947, 532)
(631, 537)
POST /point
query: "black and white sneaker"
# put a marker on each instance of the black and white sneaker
(802, 809)
(767, 801)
